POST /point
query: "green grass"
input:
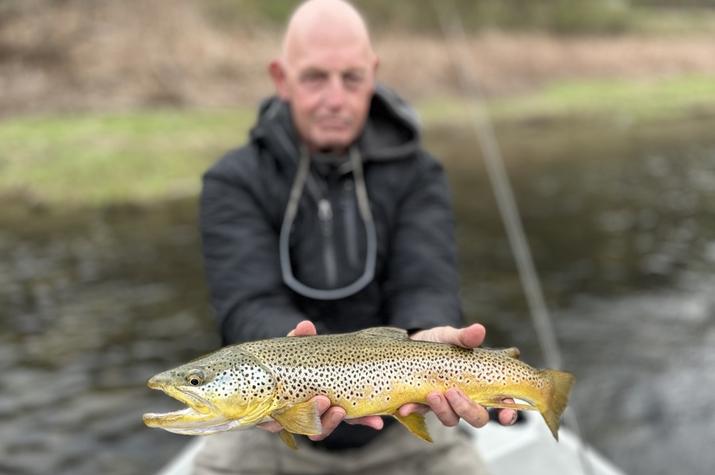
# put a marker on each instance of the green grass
(556, 16)
(672, 20)
(99, 159)
(143, 156)
(655, 99)
(642, 100)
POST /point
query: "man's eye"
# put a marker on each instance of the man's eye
(353, 79)
(313, 78)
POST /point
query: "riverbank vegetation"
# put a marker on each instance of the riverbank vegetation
(89, 56)
(142, 156)
(128, 102)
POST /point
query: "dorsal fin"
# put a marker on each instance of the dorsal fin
(384, 332)
(511, 352)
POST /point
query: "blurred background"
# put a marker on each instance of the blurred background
(110, 111)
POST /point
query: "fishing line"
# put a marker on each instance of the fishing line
(453, 32)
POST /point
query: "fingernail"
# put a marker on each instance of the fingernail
(433, 398)
(513, 418)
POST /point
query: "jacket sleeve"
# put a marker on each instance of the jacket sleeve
(240, 249)
(422, 279)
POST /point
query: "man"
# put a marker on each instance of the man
(333, 213)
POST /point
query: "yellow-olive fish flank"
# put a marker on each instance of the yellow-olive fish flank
(370, 372)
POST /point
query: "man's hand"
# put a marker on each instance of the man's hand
(453, 404)
(331, 416)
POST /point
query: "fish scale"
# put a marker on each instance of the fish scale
(370, 372)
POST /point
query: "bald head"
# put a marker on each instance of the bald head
(326, 72)
(324, 22)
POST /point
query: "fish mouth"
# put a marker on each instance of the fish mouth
(194, 401)
(199, 418)
(189, 422)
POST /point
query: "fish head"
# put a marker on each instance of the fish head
(223, 391)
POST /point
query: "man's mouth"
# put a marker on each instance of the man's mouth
(333, 123)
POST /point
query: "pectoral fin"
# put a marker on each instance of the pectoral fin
(301, 418)
(415, 423)
(288, 439)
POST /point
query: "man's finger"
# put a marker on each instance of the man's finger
(440, 406)
(270, 426)
(465, 408)
(330, 420)
(304, 328)
(374, 422)
(322, 403)
(409, 408)
(468, 337)
(471, 336)
(507, 417)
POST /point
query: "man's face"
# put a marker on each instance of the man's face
(329, 87)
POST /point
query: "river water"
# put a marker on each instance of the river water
(620, 219)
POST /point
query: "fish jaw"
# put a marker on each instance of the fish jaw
(199, 418)
(188, 422)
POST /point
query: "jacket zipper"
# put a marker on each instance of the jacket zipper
(325, 215)
(349, 224)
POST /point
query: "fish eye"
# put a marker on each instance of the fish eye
(195, 377)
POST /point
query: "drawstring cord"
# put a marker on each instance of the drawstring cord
(287, 226)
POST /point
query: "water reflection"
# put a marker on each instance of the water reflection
(92, 302)
(621, 232)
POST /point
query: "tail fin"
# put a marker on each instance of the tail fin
(556, 399)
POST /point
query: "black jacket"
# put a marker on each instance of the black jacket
(243, 202)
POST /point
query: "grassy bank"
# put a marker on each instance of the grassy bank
(101, 159)
(603, 100)
(84, 55)
(143, 156)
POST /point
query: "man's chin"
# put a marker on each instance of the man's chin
(333, 143)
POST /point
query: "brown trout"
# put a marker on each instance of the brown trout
(369, 372)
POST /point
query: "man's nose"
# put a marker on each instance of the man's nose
(335, 93)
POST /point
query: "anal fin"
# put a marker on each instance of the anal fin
(415, 423)
(301, 418)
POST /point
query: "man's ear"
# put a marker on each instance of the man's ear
(375, 66)
(278, 74)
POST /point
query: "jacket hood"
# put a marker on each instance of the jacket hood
(391, 131)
